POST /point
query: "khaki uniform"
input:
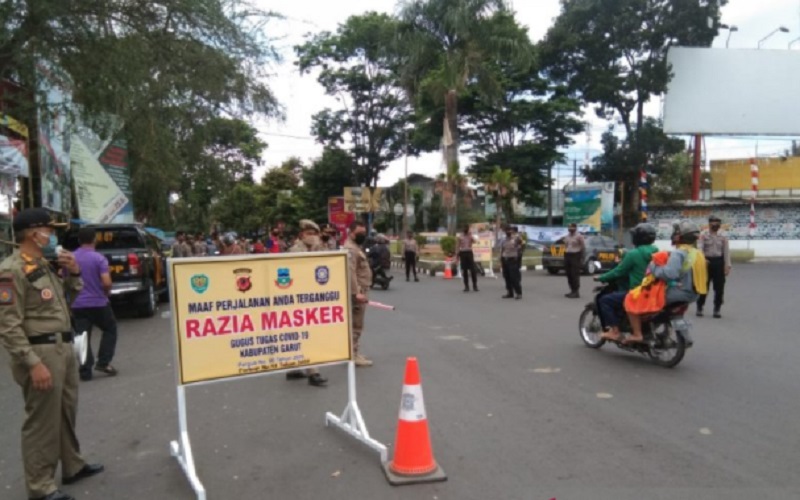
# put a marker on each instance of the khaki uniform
(33, 303)
(301, 247)
(186, 249)
(177, 250)
(716, 248)
(360, 282)
(200, 249)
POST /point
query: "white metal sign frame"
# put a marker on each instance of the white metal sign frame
(351, 421)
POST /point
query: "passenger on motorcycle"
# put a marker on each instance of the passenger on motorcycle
(685, 262)
(628, 274)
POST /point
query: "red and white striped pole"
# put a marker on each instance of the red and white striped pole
(753, 194)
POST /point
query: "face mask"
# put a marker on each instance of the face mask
(360, 238)
(51, 244)
(326, 238)
(715, 227)
(311, 240)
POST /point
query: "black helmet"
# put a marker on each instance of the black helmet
(643, 234)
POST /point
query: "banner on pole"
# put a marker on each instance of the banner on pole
(339, 217)
(243, 316)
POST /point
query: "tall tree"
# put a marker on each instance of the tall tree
(358, 65)
(525, 129)
(219, 155)
(164, 67)
(327, 176)
(613, 53)
(503, 185)
(449, 44)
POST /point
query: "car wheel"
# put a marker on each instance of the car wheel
(149, 302)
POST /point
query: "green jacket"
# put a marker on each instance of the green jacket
(633, 265)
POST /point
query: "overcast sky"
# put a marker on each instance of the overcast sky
(302, 96)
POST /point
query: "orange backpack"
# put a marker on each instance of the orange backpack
(651, 295)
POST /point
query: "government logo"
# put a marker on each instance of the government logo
(322, 275)
(243, 282)
(199, 283)
(284, 280)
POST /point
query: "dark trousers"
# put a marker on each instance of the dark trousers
(103, 318)
(511, 274)
(410, 259)
(716, 276)
(612, 308)
(573, 262)
(467, 259)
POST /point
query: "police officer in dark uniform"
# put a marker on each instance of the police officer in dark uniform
(36, 330)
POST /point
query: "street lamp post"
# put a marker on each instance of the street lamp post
(731, 30)
(782, 29)
(405, 187)
(793, 42)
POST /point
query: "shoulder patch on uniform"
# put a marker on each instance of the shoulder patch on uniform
(6, 295)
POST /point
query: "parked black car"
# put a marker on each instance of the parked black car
(135, 260)
(602, 254)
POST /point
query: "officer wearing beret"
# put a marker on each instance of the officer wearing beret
(36, 330)
(308, 241)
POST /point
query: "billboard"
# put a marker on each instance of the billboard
(239, 316)
(13, 147)
(735, 92)
(54, 138)
(100, 172)
(590, 205)
(339, 217)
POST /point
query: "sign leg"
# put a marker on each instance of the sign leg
(182, 449)
(351, 421)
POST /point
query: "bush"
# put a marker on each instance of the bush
(421, 241)
(448, 244)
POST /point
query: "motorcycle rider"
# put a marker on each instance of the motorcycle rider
(380, 258)
(685, 274)
(632, 270)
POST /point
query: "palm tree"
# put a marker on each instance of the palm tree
(503, 185)
(450, 44)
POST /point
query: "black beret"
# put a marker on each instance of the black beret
(34, 217)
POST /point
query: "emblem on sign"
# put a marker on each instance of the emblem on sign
(407, 402)
(322, 275)
(200, 283)
(284, 278)
(47, 294)
(243, 282)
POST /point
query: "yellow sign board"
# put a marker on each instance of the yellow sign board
(239, 316)
(482, 248)
(362, 199)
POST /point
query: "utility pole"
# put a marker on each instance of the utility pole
(698, 139)
(574, 173)
(550, 195)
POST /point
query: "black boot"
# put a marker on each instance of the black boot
(717, 314)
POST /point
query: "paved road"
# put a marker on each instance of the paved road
(512, 398)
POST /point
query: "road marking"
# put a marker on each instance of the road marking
(604, 395)
(705, 431)
(479, 346)
(453, 337)
(546, 369)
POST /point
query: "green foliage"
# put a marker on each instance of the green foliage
(165, 68)
(503, 185)
(417, 197)
(359, 65)
(448, 244)
(613, 54)
(435, 213)
(421, 241)
(235, 210)
(674, 182)
(326, 177)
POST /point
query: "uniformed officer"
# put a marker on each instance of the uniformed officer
(509, 257)
(360, 283)
(35, 329)
(716, 248)
(308, 241)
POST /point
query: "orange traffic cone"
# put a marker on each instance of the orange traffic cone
(448, 270)
(413, 456)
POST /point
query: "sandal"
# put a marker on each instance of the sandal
(609, 337)
(630, 341)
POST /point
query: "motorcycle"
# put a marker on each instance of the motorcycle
(379, 276)
(666, 333)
